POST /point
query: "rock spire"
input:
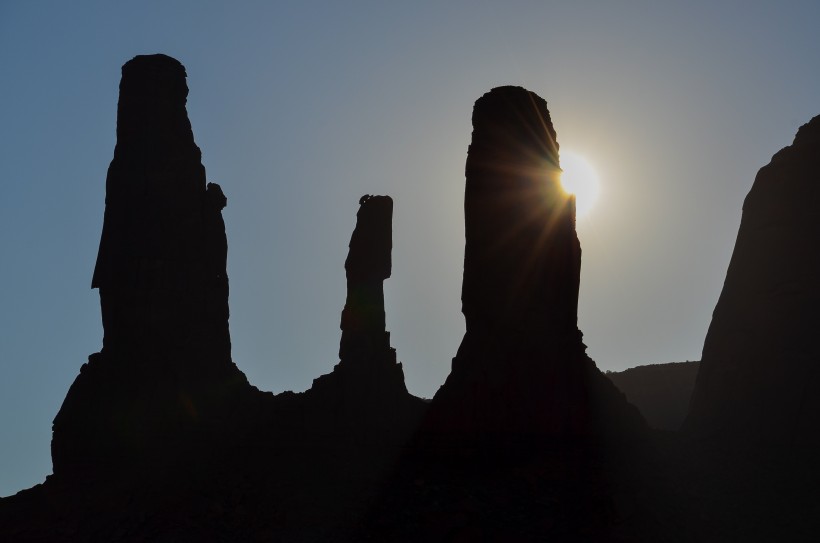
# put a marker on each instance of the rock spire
(368, 264)
(166, 362)
(367, 385)
(161, 264)
(521, 368)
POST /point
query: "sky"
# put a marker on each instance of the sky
(302, 107)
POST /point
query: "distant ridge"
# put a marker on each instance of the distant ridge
(661, 392)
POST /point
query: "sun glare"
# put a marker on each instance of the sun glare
(579, 178)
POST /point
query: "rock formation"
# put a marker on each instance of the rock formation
(759, 380)
(162, 282)
(161, 263)
(661, 392)
(521, 368)
(364, 336)
(161, 438)
(367, 386)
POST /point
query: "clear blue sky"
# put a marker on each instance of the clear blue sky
(301, 107)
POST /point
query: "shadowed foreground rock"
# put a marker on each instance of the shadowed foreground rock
(759, 379)
(521, 369)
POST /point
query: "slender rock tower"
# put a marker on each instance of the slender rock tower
(165, 367)
(365, 394)
(521, 368)
(365, 340)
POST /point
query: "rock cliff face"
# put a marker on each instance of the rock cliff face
(759, 380)
(521, 367)
(163, 287)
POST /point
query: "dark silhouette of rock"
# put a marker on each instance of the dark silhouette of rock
(661, 392)
(160, 437)
(521, 368)
(368, 264)
(165, 367)
(366, 388)
(759, 380)
(163, 231)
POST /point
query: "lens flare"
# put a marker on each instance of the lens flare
(579, 178)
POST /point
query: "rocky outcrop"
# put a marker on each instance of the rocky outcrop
(165, 365)
(661, 392)
(521, 368)
(759, 380)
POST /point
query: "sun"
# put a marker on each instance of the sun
(579, 178)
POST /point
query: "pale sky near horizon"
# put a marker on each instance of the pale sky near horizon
(302, 107)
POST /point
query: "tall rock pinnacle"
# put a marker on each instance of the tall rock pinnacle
(522, 258)
(165, 366)
(367, 266)
(759, 378)
(367, 372)
(161, 264)
(365, 395)
(521, 367)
